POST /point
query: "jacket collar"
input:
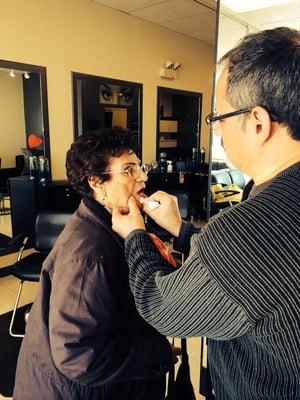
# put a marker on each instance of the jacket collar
(98, 209)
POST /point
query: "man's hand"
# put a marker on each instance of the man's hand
(125, 223)
(167, 214)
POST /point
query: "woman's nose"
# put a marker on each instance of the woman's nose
(143, 176)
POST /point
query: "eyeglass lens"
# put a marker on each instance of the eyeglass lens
(135, 170)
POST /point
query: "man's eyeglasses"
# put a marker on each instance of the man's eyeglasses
(214, 117)
(132, 171)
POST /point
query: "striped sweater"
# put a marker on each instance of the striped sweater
(239, 286)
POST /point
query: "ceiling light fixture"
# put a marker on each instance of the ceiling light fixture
(12, 73)
(252, 5)
(26, 75)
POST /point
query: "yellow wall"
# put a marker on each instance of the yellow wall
(12, 123)
(82, 36)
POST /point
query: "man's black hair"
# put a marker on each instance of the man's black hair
(264, 70)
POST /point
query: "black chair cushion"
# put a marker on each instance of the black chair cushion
(29, 267)
(183, 198)
(47, 228)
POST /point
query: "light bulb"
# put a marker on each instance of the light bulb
(12, 73)
(26, 75)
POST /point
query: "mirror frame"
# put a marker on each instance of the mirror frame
(80, 76)
(44, 99)
(213, 99)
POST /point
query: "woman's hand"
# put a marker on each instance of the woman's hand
(167, 214)
(125, 223)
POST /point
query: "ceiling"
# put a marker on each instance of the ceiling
(194, 18)
(233, 25)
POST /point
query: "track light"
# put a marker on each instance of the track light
(169, 70)
(12, 73)
(169, 65)
(26, 75)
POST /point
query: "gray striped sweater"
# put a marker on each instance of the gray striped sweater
(239, 287)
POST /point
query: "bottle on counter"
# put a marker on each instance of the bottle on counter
(169, 166)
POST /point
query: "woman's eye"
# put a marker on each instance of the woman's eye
(126, 94)
(107, 95)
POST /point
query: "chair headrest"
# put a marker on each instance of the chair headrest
(48, 226)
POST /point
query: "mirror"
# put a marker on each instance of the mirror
(23, 114)
(105, 103)
(236, 20)
(24, 129)
(178, 124)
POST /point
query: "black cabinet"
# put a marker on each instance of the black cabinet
(194, 184)
(58, 196)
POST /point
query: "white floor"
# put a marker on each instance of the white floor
(8, 290)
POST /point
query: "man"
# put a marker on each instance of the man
(240, 285)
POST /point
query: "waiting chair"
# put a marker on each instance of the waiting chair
(48, 226)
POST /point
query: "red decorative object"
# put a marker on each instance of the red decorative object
(34, 141)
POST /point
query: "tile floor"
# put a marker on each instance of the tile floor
(8, 290)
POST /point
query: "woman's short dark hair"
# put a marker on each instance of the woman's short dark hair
(264, 70)
(90, 155)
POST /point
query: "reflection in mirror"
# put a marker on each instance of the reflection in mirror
(24, 126)
(237, 19)
(24, 114)
(104, 103)
(178, 124)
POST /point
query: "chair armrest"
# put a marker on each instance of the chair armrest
(18, 240)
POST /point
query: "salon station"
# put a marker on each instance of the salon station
(72, 67)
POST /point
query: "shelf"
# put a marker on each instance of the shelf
(168, 126)
(168, 143)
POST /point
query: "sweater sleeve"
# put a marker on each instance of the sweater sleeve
(185, 302)
(182, 243)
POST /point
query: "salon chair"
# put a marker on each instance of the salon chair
(229, 185)
(48, 226)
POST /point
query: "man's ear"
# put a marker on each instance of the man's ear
(261, 124)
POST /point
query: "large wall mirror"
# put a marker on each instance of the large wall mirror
(178, 124)
(24, 126)
(236, 20)
(24, 131)
(105, 103)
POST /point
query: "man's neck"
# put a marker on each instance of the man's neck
(268, 173)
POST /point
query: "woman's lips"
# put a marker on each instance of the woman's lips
(141, 193)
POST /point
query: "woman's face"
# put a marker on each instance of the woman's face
(116, 191)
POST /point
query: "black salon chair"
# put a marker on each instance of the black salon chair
(48, 226)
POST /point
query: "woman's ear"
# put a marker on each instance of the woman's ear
(94, 182)
(98, 189)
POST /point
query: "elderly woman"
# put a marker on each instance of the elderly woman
(84, 337)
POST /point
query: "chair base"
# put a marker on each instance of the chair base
(11, 325)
